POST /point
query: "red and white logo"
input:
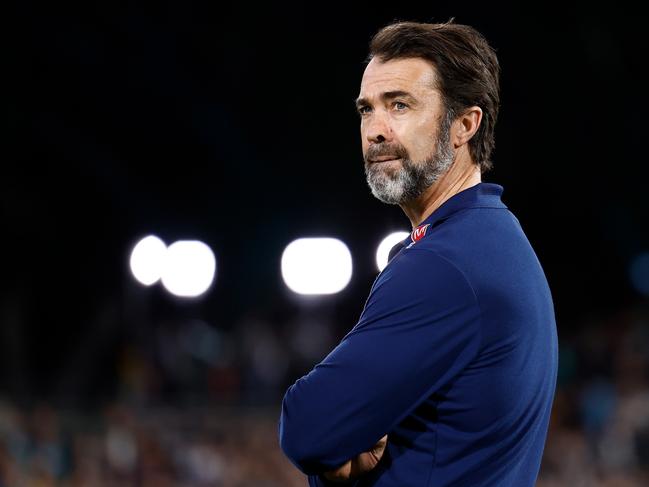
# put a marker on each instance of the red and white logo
(419, 232)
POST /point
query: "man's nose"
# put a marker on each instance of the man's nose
(378, 128)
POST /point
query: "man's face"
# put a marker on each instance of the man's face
(404, 129)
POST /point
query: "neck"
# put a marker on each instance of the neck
(461, 175)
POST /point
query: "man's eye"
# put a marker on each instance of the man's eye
(362, 111)
(400, 105)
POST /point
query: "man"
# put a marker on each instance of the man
(448, 377)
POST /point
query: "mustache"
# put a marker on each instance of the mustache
(398, 151)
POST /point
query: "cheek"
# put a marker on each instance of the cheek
(364, 145)
(420, 138)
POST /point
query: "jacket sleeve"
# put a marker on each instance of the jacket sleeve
(419, 328)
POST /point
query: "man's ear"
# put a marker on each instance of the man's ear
(466, 125)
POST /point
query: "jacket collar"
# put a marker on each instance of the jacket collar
(481, 195)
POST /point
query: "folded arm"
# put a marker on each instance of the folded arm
(419, 328)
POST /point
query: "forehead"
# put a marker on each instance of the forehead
(415, 75)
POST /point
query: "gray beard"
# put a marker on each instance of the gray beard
(409, 181)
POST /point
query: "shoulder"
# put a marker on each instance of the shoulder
(422, 272)
(475, 236)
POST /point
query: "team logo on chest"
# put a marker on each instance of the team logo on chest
(419, 232)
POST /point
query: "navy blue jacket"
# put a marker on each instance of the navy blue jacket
(454, 357)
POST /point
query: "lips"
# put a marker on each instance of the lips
(384, 158)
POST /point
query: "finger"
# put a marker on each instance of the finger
(339, 474)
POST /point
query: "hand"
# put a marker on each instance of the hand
(355, 467)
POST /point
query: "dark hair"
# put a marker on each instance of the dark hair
(466, 68)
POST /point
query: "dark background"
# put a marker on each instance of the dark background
(234, 124)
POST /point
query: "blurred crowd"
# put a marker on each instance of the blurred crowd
(159, 447)
(599, 431)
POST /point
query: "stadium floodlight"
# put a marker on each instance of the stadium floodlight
(383, 250)
(189, 268)
(316, 266)
(147, 258)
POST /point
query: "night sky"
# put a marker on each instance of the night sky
(235, 125)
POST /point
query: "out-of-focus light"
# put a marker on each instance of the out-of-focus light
(147, 259)
(189, 268)
(639, 273)
(121, 449)
(383, 251)
(316, 266)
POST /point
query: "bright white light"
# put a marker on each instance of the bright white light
(189, 268)
(147, 259)
(383, 251)
(316, 266)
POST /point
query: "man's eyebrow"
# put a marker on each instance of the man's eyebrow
(386, 95)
